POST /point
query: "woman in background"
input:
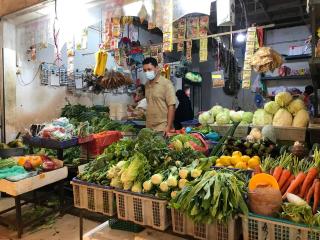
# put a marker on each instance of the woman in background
(184, 110)
(138, 110)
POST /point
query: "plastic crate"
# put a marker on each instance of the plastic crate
(86, 139)
(143, 210)
(256, 227)
(93, 197)
(125, 225)
(183, 225)
(102, 140)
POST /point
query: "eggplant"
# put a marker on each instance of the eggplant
(27, 165)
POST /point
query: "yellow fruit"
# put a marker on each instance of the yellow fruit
(230, 166)
(245, 158)
(237, 153)
(219, 165)
(241, 165)
(257, 157)
(225, 160)
(235, 159)
(218, 160)
(253, 162)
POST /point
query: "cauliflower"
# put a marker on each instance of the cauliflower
(261, 117)
(282, 118)
(295, 106)
(271, 107)
(301, 119)
(283, 99)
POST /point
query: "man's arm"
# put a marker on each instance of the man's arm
(170, 118)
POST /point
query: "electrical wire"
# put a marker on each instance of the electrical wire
(23, 83)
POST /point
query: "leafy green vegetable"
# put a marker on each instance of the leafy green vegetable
(217, 195)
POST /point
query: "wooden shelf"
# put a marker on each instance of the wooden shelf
(296, 77)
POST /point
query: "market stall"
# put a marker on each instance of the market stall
(93, 115)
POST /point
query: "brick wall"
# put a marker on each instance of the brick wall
(10, 6)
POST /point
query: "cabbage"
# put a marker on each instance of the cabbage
(271, 107)
(215, 110)
(247, 117)
(223, 118)
(235, 116)
(295, 106)
(301, 119)
(206, 118)
(282, 118)
(283, 99)
(261, 117)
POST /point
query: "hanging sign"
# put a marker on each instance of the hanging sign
(217, 79)
(189, 50)
(250, 47)
(167, 26)
(203, 52)
(204, 26)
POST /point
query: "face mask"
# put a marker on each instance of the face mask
(150, 75)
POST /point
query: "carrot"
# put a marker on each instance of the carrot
(311, 175)
(311, 191)
(277, 172)
(316, 197)
(295, 184)
(285, 175)
(287, 184)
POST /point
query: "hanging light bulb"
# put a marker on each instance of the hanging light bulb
(241, 37)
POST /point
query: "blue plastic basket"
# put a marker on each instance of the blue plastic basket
(190, 123)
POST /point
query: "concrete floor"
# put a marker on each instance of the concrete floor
(67, 228)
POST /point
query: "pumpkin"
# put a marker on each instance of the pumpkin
(262, 180)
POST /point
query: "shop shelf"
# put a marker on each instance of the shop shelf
(50, 143)
(297, 57)
(292, 77)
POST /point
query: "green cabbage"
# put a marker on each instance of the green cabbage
(215, 110)
(295, 106)
(283, 99)
(235, 116)
(261, 117)
(282, 118)
(223, 118)
(206, 118)
(247, 117)
(271, 107)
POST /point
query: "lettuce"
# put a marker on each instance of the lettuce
(261, 117)
(223, 118)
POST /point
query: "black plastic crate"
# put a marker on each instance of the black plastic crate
(118, 224)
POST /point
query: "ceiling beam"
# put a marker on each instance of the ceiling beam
(277, 7)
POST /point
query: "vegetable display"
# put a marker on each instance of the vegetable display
(215, 196)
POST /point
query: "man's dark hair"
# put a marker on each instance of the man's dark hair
(151, 60)
(308, 89)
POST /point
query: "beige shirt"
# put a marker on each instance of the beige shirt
(160, 95)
